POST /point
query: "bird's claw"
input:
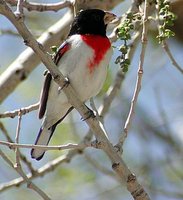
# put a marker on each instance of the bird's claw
(88, 114)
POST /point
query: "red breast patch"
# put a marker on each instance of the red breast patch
(100, 45)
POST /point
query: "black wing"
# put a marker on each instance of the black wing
(46, 86)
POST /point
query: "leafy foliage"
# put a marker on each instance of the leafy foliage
(166, 20)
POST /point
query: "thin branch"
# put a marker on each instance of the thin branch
(9, 32)
(169, 136)
(164, 43)
(43, 195)
(139, 77)
(92, 104)
(120, 76)
(75, 7)
(17, 152)
(19, 10)
(18, 166)
(23, 111)
(31, 6)
(111, 94)
(5, 158)
(168, 193)
(98, 166)
(174, 62)
(46, 148)
(22, 157)
(5, 132)
(45, 169)
(48, 167)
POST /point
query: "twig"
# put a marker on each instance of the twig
(22, 157)
(38, 190)
(23, 111)
(164, 43)
(17, 153)
(168, 193)
(5, 132)
(46, 148)
(174, 62)
(18, 166)
(19, 10)
(98, 166)
(111, 94)
(92, 104)
(48, 167)
(120, 76)
(168, 137)
(31, 6)
(139, 78)
(75, 7)
(9, 32)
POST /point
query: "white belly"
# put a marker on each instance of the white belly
(86, 83)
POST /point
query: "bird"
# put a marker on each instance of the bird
(83, 58)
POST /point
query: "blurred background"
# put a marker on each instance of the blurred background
(154, 147)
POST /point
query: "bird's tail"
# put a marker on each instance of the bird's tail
(43, 138)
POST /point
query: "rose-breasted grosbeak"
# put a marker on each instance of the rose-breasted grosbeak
(83, 58)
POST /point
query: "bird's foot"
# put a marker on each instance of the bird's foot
(88, 114)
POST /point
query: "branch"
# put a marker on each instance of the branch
(118, 165)
(23, 158)
(99, 167)
(19, 10)
(167, 50)
(69, 146)
(18, 166)
(31, 6)
(17, 152)
(48, 167)
(139, 77)
(120, 76)
(32, 185)
(23, 111)
(9, 32)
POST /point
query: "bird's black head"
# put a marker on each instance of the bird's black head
(91, 21)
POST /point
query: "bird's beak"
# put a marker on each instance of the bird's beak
(110, 18)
